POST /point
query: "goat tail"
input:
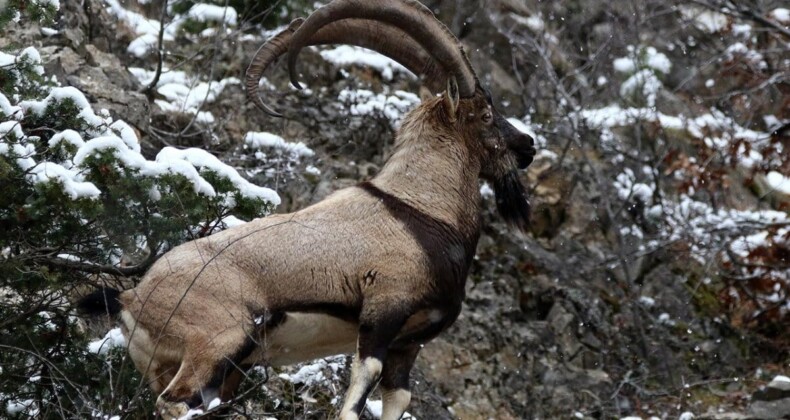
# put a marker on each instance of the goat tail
(101, 302)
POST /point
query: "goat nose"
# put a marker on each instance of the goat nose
(525, 150)
(527, 139)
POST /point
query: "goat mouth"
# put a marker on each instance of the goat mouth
(524, 156)
(511, 200)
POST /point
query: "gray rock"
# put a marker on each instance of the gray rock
(776, 390)
(711, 414)
(776, 409)
(102, 78)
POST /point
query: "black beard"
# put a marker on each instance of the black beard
(511, 200)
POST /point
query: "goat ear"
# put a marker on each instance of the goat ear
(451, 99)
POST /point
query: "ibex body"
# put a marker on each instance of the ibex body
(377, 269)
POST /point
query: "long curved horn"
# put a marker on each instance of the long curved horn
(410, 16)
(266, 54)
(387, 40)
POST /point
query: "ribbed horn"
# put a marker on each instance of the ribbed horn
(386, 39)
(408, 15)
(266, 54)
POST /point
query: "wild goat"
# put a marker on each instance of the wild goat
(378, 268)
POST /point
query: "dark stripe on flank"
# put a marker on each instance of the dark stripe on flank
(448, 250)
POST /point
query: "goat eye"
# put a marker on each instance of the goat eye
(487, 117)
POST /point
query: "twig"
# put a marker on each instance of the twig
(104, 269)
(148, 90)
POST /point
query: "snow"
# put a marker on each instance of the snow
(740, 49)
(780, 378)
(778, 182)
(203, 117)
(192, 97)
(642, 58)
(202, 12)
(31, 55)
(665, 319)
(743, 245)
(643, 83)
(23, 153)
(171, 160)
(136, 21)
(28, 55)
(8, 111)
(114, 338)
(71, 180)
(53, 3)
(232, 221)
(627, 187)
(49, 31)
(376, 408)
(203, 159)
(214, 403)
(647, 301)
(657, 60)
(715, 128)
(21, 150)
(707, 21)
(486, 192)
(624, 65)
(742, 30)
(365, 102)
(58, 95)
(21, 406)
(313, 373)
(534, 22)
(687, 415)
(11, 127)
(146, 29)
(112, 143)
(142, 45)
(781, 15)
(127, 134)
(45, 157)
(7, 59)
(192, 412)
(259, 140)
(312, 170)
(703, 225)
(349, 55)
(167, 76)
(520, 126)
(187, 96)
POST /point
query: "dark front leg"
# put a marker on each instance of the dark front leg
(379, 324)
(395, 381)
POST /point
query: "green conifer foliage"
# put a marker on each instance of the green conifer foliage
(81, 207)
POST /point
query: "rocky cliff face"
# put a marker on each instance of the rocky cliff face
(655, 279)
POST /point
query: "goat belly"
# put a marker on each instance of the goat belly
(306, 336)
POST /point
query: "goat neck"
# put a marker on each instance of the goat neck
(433, 172)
